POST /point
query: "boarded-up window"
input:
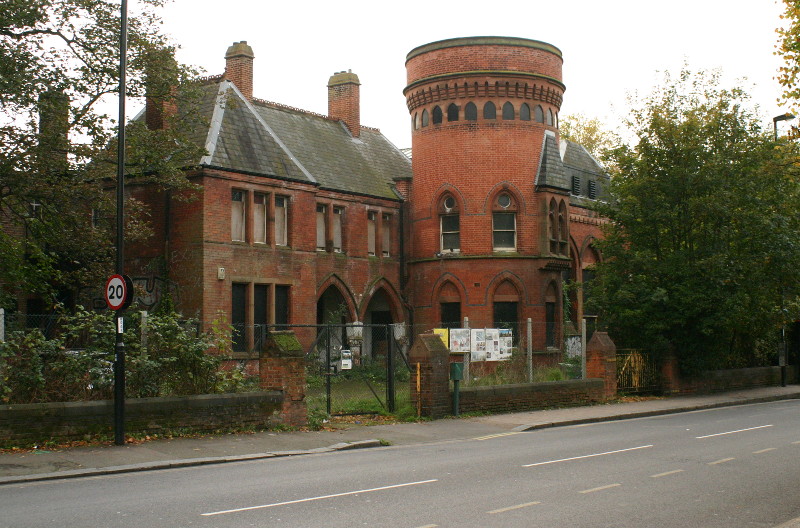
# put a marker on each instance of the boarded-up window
(237, 215)
(371, 232)
(260, 218)
(338, 214)
(386, 243)
(321, 227)
(281, 220)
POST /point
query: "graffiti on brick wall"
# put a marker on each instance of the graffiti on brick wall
(148, 291)
(572, 346)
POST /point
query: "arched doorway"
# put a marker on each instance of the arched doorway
(332, 309)
(376, 317)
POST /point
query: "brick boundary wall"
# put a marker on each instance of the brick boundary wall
(435, 399)
(37, 422)
(531, 396)
(722, 380)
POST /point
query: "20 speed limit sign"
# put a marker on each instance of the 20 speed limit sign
(119, 292)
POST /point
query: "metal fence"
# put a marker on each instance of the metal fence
(355, 369)
(637, 372)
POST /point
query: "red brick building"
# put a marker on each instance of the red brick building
(305, 219)
(498, 205)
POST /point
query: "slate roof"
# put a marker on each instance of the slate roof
(271, 140)
(551, 167)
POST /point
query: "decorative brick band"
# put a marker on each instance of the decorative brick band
(468, 90)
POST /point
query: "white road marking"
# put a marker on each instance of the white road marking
(765, 450)
(587, 456)
(428, 526)
(721, 461)
(601, 488)
(309, 499)
(515, 507)
(498, 435)
(731, 432)
(667, 473)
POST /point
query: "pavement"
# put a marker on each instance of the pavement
(46, 464)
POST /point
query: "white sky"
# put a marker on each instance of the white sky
(610, 48)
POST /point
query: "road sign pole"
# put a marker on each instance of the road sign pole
(119, 347)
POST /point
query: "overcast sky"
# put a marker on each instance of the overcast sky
(610, 48)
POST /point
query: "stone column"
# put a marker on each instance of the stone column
(282, 368)
(601, 362)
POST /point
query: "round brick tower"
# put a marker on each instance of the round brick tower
(489, 198)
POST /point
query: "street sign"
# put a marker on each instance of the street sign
(119, 292)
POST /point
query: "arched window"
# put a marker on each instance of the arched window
(505, 308)
(452, 112)
(538, 114)
(471, 112)
(549, 117)
(525, 112)
(489, 111)
(449, 225)
(563, 230)
(416, 121)
(508, 111)
(437, 115)
(552, 227)
(425, 117)
(450, 306)
(504, 223)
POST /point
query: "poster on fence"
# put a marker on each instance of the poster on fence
(444, 335)
(459, 340)
(478, 350)
(492, 344)
(506, 343)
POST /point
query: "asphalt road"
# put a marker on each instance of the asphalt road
(728, 467)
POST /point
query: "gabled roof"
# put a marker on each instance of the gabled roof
(272, 140)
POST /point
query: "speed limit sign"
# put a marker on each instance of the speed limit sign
(119, 292)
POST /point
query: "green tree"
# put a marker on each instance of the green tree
(58, 79)
(590, 133)
(701, 249)
(788, 48)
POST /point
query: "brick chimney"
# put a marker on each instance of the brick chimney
(344, 100)
(161, 77)
(239, 67)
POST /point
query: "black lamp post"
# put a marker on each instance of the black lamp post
(784, 117)
(119, 347)
(782, 351)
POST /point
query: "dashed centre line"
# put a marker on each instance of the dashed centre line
(498, 435)
(587, 456)
(721, 461)
(309, 499)
(667, 473)
(601, 488)
(764, 450)
(515, 507)
(732, 432)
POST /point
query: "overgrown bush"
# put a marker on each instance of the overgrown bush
(77, 364)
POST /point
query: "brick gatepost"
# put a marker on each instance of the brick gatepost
(282, 368)
(433, 358)
(601, 362)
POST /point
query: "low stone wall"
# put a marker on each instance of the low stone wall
(724, 380)
(37, 422)
(531, 396)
